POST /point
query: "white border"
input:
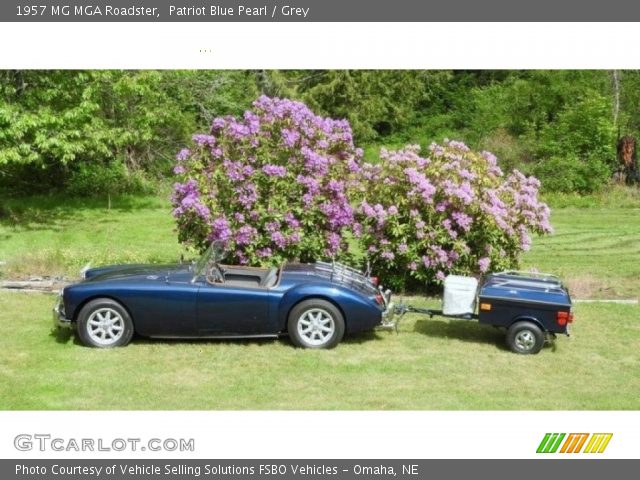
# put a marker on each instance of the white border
(318, 45)
(364, 435)
(329, 435)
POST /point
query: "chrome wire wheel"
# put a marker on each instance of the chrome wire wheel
(105, 326)
(525, 340)
(316, 327)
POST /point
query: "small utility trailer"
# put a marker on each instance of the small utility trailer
(531, 306)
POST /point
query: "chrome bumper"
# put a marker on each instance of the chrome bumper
(60, 319)
(388, 315)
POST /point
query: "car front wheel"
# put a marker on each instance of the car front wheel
(104, 323)
(525, 338)
(316, 323)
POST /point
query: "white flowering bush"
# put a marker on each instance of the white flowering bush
(451, 211)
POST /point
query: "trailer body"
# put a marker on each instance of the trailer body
(509, 297)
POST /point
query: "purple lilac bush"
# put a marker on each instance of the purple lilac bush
(271, 185)
(453, 211)
(283, 183)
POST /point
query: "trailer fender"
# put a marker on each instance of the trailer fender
(527, 318)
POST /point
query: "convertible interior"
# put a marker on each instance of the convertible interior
(251, 277)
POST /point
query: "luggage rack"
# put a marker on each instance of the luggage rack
(526, 280)
(538, 276)
(344, 273)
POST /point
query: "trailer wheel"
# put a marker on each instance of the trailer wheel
(525, 338)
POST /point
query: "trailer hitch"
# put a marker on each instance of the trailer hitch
(394, 313)
(440, 313)
(402, 309)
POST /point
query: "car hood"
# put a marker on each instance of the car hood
(147, 273)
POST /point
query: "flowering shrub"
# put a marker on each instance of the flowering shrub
(271, 185)
(451, 212)
(281, 182)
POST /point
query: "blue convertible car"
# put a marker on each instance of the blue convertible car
(315, 304)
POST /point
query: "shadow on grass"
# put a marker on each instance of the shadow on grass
(28, 218)
(54, 212)
(63, 335)
(464, 330)
(470, 331)
(139, 340)
(365, 337)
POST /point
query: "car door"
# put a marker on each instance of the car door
(232, 310)
(165, 309)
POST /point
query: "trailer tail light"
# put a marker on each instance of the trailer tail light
(486, 307)
(374, 280)
(562, 318)
(380, 299)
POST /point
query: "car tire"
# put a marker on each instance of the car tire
(525, 338)
(315, 323)
(104, 323)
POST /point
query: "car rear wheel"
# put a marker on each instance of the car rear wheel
(104, 323)
(316, 323)
(525, 338)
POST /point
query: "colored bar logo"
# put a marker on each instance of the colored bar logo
(574, 443)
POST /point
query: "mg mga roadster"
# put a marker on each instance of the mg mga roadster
(315, 304)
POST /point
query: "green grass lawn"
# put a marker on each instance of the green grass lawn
(596, 244)
(431, 364)
(56, 236)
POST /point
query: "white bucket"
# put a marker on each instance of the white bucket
(459, 295)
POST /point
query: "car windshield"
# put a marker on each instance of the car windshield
(211, 256)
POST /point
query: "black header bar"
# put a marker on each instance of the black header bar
(319, 11)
